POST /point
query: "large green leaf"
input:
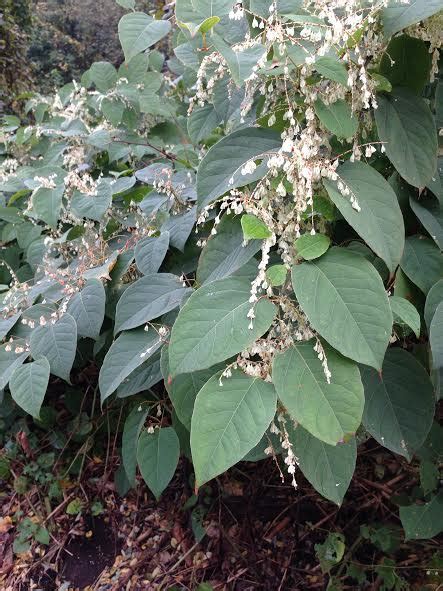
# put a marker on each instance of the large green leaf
(422, 522)
(241, 63)
(131, 431)
(407, 62)
(94, 206)
(144, 377)
(201, 122)
(329, 468)
(103, 75)
(46, 205)
(332, 68)
(28, 385)
(213, 325)
(10, 360)
(147, 298)
(183, 389)
(405, 313)
(157, 457)
(399, 406)
(379, 221)
(436, 337)
(87, 308)
(179, 228)
(138, 31)
(433, 299)
(58, 343)
(311, 247)
(7, 323)
(422, 262)
(337, 118)
(229, 419)
(194, 13)
(407, 128)
(399, 15)
(430, 214)
(329, 411)
(126, 353)
(345, 301)
(225, 253)
(221, 168)
(150, 252)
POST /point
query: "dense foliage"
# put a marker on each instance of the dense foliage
(15, 25)
(256, 223)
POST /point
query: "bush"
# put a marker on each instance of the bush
(259, 227)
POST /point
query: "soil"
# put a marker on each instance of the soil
(259, 534)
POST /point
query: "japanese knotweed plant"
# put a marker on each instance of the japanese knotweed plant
(257, 223)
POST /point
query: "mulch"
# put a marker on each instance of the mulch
(260, 533)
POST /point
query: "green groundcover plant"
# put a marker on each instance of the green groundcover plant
(257, 223)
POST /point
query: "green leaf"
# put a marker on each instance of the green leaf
(46, 205)
(13, 215)
(94, 206)
(209, 23)
(225, 253)
(10, 360)
(429, 476)
(399, 406)
(138, 31)
(329, 411)
(333, 69)
(126, 353)
(347, 285)
(147, 298)
(127, 3)
(150, 253)
(331, 552)
(430, 214)
(201, 122)
(144, 377)
(254, 227)
(434, 297)
(183, 391)
(423, 522)
(131, 431)
(42, 535)
(381, 83)
(58, 343)
(407, 62)
(337, 118)
(407, 128)
(436, 337)
(157, 457)
(103, 75)
(405, 313)
(241, 63)
(398, 15)
(329, 468)
(228, 421)
(422, 262)
(213, 325)
(195, 14)
(221, 168)
(100, 139)
(276, 275)
(7, 323)
(28, 385)
(379, 221)
(179, 228)
(311, 247)
(87, 307)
